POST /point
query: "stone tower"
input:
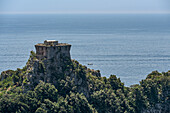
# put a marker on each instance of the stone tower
(50, 48)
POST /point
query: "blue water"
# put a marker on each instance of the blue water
(129, 46)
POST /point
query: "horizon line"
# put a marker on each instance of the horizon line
(85, 12)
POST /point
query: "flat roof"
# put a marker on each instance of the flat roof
(59, 44)
(51, 40)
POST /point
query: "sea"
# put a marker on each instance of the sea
(129, 46)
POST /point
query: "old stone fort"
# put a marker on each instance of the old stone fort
(50, 48)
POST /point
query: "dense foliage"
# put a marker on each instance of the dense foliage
(103, 94)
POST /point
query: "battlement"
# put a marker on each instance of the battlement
(50, 48)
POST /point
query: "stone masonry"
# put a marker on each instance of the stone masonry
(50, 48)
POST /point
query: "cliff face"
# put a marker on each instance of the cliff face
(59, 70)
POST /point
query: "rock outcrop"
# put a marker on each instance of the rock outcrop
(58, 70)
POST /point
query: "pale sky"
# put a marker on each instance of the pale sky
(84, 6)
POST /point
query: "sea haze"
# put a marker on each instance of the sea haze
(129, 46)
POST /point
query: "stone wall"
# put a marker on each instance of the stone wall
(58, 50)
(49, 51)
(41, 52)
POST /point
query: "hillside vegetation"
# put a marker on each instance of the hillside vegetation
(78, 89)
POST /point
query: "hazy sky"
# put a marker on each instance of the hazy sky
(84, 6)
